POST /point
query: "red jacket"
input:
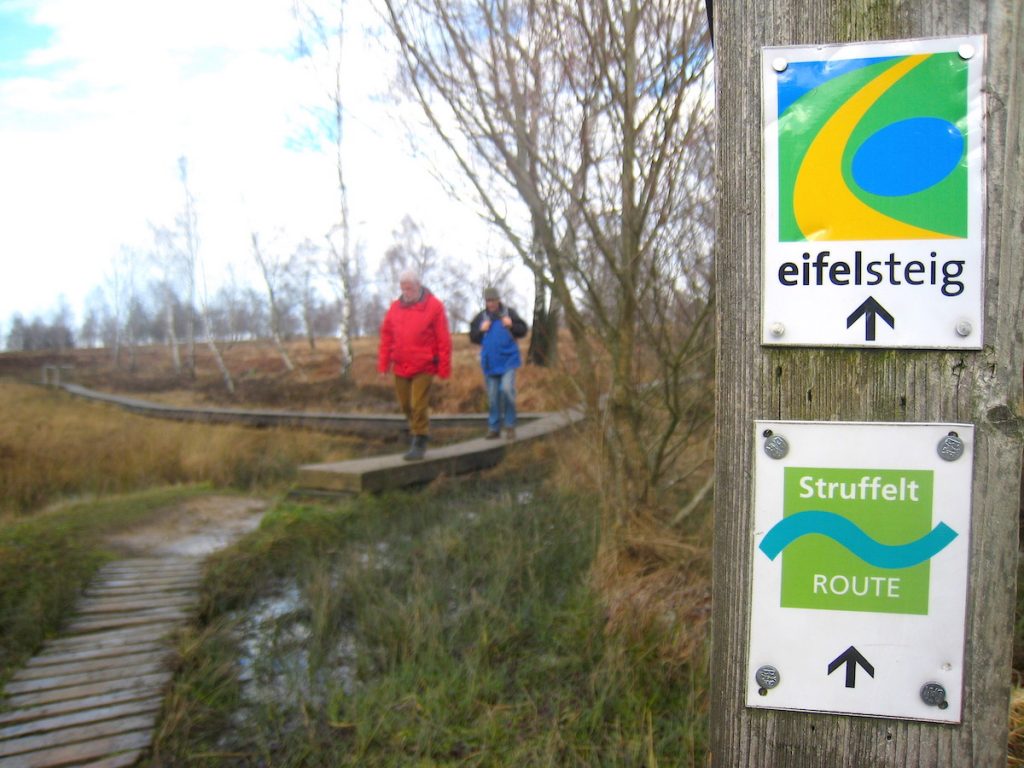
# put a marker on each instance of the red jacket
(414, 339)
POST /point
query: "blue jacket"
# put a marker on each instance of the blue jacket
(499, 351)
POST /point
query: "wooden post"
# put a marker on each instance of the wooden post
(755, 382)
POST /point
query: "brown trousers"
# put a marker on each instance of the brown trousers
(414, 400)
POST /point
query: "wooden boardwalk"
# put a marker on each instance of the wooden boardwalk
(380, 473)
(371, 424)
(93, 696)
(372, 474)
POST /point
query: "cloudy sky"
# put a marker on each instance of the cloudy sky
(99, 99)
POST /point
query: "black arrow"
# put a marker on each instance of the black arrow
(870, 309)
(851, 658)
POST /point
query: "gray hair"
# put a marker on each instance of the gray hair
(409, 276)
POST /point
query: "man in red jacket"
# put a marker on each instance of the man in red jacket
(416, 346)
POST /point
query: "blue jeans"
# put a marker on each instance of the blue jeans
(501, 395)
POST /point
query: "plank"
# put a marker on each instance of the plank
(91, 715)
(135, 619)
(379, 473)
(84, 678)
(29, 713)
(96, 606)
(47, 659)
(153, 564)
(135, 576)
(83, 691)
(112, 638)
(77, 753)
(122, 760)
(140, 591)
(82, 666)
(67, 737)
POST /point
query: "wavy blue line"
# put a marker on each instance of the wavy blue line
(845, 532)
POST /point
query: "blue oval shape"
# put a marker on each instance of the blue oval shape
(907, 157)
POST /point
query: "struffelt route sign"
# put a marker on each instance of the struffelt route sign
(873, 194)
(860, 566)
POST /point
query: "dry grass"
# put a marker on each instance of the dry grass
(262, 380)
(656, 583)
(1015, 751)
(52, 446)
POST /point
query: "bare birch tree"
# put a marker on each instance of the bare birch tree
(323, 40)
(274, 271)
(585, 128)
(119, 288)
(443, 275)
(188, 222)
(167, 260)
(305, 260)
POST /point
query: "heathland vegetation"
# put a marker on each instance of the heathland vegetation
(479, 621)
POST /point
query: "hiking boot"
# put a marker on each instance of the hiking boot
(492, 434)
(510, 433)
(417, 449)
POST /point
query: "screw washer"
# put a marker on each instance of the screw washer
(776, 446)
(767, 677)
(934, 695)
(951, 447)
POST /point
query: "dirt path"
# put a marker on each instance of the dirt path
(195, 527)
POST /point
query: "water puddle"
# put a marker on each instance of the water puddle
(275, 639)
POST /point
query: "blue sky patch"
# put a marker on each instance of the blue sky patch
(19, 37)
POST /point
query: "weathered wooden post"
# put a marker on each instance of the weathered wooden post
(831, 321)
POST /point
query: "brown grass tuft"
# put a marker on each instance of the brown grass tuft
(55, 446)
(655, 582)
(1015, 747)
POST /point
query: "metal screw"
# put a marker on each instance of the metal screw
(934, 695)
(777, 330)
(951, 447)
(767, 677)
(964, 328)
(780, 64)
(775, 445)
(966, 51)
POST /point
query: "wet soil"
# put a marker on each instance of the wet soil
(197, 526)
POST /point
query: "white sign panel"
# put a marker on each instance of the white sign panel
(860, 565)
(873, 194)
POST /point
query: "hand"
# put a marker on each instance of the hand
(506, 321)
(485, 325)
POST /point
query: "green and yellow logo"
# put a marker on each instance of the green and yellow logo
(873, 149)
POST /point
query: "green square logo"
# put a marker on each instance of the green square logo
(851, 518)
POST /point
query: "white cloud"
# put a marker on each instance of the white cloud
(92, 125)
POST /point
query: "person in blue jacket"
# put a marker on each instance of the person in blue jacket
(496, 329)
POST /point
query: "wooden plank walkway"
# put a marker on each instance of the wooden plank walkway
(372, 474)
(380, 473)
(92, 697)
(348, 423)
